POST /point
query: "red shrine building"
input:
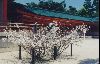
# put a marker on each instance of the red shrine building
(23, 14)
(17, 13)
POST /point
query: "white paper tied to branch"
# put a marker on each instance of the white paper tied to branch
(17, 26)
(84, 30)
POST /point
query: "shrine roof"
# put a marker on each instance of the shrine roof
(59, 14)
(55, 14)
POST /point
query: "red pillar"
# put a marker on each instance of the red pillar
(4, 11)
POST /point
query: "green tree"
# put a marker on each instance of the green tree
(32, 4)
(82, 12)
(50, 5)
(96, 7)
(89, 8)
(72, 10)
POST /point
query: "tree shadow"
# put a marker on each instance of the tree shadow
(89, 61)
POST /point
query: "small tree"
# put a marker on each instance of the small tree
(44, 41)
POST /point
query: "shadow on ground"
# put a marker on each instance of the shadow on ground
(89, 61)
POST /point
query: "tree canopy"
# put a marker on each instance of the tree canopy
(89, 9)
(50, 5)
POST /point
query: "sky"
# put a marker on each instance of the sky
(75, 3)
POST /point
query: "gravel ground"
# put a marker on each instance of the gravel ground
(87, 52)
